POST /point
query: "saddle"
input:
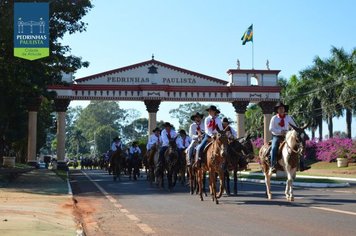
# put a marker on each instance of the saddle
(267, 154)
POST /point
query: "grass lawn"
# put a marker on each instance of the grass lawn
(301, 180)
(329, 169)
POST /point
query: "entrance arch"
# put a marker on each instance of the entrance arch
(154, 82)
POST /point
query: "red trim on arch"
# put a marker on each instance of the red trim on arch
(151, 62)
(236, 71)
(168, 88)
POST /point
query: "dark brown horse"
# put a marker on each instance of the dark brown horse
(216, 153)
(151, 159)
(116, 160)
(171, 163)
(240, 153)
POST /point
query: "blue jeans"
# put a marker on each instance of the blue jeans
(201, 146)
(276, 140)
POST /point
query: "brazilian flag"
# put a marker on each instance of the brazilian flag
(248, 35)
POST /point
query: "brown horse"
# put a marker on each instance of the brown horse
(152, 158)
(171, 163)
(240, 153)
(288, 159)
(116, 163)
(216, 153)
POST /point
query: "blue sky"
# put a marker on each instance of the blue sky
(204, 36)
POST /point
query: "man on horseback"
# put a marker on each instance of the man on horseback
(167, 135)
(212, 125)
(116, 144)
(154, 139)
(134, 149)
(196, 132)
(183, 141)
(279, 126)
(230, 132)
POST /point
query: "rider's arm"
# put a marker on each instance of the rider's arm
(193, 131)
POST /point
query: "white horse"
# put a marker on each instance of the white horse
(289, 151)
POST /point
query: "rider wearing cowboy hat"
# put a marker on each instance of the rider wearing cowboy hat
(134, 149)
(212, 125)
(183, 142)
(166, 135)
(196, 132)
(116, 144)
(230, 132)
(154, 138)
(279, 126)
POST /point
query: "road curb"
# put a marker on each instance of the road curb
(299, 184)
(70, 192)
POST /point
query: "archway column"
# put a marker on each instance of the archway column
(152, 107)
(33, 105)
(267, 109)
(240, 109)
(61, 106)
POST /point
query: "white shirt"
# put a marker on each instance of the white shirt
(212, 130)
(164, 137)
(276, 129)
(135, 149)
(193, 130)
(181, 144)
(152, 141)
(115, 145)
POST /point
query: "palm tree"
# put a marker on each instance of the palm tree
(345, 74)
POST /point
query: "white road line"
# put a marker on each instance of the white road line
(334, 210)
(144, 227)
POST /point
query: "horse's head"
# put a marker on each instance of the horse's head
(222, 140)
(247, 147)
(297, 136)
(172, 143)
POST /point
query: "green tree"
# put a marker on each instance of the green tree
(254, 120)
(22, 80)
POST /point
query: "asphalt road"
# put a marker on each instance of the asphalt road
(160, 212)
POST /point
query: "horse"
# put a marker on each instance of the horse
(192, 171)
(171, 163)
(134, 164)
(240, 153)
(288, 159)
(116, 163)
(216, 152)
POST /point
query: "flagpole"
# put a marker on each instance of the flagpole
(253, 55)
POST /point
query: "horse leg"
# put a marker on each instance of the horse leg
(199, 180)
(227, 181)
(221, 190)
(289, 187)
(268, 185)
(235, 182)
(212, 182)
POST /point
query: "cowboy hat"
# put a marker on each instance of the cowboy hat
(182, 132)
(195, 115)
(213, 108)
(280, 104)
(134, 142)
(225, 120)
(116, 139)
(156, 129)
(167, 124)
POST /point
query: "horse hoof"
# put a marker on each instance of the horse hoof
(217, 202)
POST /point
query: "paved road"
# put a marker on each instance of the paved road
(159, 212)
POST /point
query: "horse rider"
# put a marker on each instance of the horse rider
(183, 141)
(212, 125)
(154, 139)
(134, 149)
(279, 126)
(230, 132)
(116, 144)
(196, 132)
(167, 134)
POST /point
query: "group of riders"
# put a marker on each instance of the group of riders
(190, 147)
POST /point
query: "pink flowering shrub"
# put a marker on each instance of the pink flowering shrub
(333, 148)
(258, 143)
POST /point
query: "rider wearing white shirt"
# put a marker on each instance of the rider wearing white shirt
(166, 135)
(116, 144)
(279, 126)
(212, 126)
(230, 132)
(154, 139)
(196, 132)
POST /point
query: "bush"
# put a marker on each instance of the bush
(333, 148)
